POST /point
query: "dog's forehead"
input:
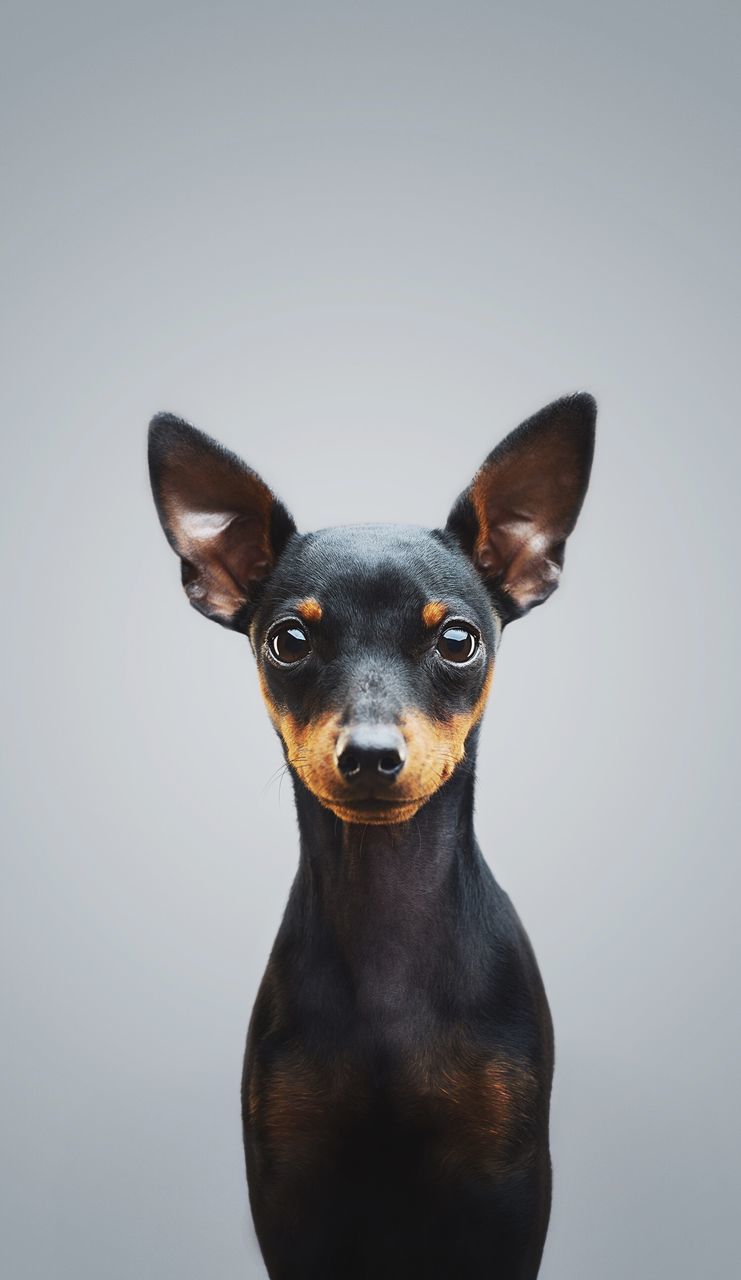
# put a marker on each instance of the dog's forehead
(374, 565)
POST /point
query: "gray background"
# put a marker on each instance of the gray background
(359, 243)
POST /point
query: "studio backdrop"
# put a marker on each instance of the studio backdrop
(358, 244)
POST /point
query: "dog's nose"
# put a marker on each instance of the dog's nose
(366, 751)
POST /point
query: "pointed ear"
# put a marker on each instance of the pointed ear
(515, 517)
(218, 516)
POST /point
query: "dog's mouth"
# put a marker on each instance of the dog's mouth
(373, 809)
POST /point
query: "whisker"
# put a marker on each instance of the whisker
(274, 778)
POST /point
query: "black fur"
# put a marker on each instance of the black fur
(399, 1059)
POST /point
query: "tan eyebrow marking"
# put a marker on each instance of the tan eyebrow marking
(310, 609)
(433, 613)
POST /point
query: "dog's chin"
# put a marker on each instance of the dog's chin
(379, 813)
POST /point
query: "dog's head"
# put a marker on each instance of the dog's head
(375, 644)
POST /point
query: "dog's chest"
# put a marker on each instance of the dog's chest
(446, 1110)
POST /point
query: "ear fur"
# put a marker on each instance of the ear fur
(218, 516)
(514, 518)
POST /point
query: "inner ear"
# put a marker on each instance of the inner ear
(515, 516)
(219, 516)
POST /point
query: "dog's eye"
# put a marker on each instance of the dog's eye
(457, 643)
(289, 643)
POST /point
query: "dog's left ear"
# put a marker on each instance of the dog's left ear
(515, 517)
(220, 518)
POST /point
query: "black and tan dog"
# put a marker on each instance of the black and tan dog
(398, 1067)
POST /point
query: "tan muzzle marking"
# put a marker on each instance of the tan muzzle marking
(434, 749)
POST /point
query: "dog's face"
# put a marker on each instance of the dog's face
(375, 644)
(375, 647)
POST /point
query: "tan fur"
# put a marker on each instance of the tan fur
(310, 610)
(439, 745)
(434, 748)
(298, 1108)
(480, 1110)
(433, 613)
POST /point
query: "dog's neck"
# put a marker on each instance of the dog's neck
(389, 899)
(355, 857)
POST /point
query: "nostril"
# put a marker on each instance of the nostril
(349, 764)
(370, 752)
(390, 763)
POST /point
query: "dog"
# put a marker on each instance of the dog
(399, 1059)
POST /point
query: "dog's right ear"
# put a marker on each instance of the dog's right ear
(218, 516)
